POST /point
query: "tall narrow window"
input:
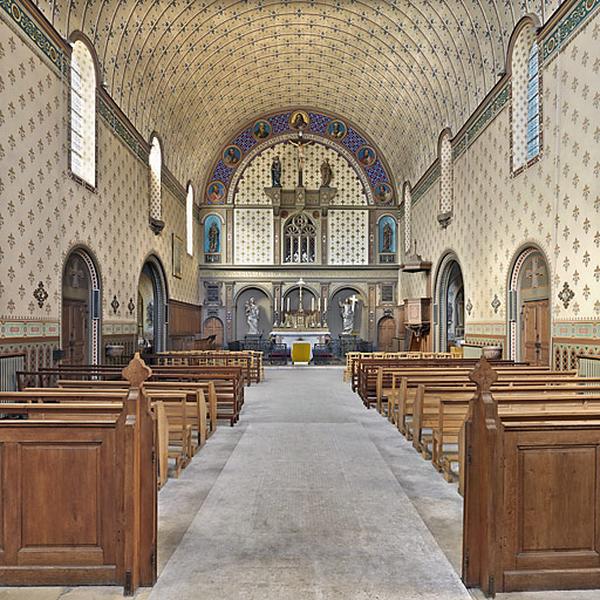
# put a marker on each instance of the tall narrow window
(533, 104)
(525, 97)
(155, 160)
(446, 207)
(83, 114)
(189, 220)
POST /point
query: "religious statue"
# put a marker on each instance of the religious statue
(252, 316)
(300, 143)
(326, 173)
(276, 172)
(213, 238)
(388, 238)
(347, 310)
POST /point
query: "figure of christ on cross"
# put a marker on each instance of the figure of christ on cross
(300, 143)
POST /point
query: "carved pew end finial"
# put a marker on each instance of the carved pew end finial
(483, 375)
(137, 371)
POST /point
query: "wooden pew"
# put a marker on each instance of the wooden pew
(402, 400)
(90, 491)
(532, 499)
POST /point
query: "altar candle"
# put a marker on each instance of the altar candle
(325, 309)
(288, 304)
(319, 304)
(312, 304)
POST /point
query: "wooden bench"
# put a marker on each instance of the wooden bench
(532, 497)
(80, 478)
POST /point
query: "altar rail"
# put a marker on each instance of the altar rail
(589, 365)
(9, 365)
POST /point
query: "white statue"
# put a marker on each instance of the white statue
(348, 310)
(252, 316)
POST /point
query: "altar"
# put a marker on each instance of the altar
(310, 336)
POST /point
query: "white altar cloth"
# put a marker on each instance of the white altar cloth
(289, 336)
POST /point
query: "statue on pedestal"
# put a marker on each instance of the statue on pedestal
(276, 172)
(348, 310)
(388, 237)
(252, 316)
(213, 238)
(326, 173)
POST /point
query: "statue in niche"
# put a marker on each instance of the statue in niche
(252, 316)
(326, 173)
(388, 238)
(276, 172)
(347, 307)
(213, 238)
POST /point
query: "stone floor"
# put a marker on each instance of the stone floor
(309, 496)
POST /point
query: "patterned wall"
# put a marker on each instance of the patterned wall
(348, 233)
(45, 212)
(257, 176)
(253, 236)
(555, 203)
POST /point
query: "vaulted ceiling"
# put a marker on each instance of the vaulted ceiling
(198, 71)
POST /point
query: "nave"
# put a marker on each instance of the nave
(309, 496)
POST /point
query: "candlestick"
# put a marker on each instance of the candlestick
(312, 304)
(288, 304)
(319, 304)
(325, 304)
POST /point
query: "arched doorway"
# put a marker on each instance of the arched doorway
(529, 308)
(386, 332)
(80, 309)
(214, 326)
(449, 312)
(152, 307)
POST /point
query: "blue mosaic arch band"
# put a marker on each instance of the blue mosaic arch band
(377, 173)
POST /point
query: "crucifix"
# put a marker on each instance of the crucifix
(300, 143)
(354, 300)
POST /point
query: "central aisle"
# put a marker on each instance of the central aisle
(307, 508)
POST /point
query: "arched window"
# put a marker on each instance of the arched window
(299, 240)
(446, 179)
(155, 161)
(83, 114)
(189, 220)
(407, 219)
(525, 97)
(533, 104)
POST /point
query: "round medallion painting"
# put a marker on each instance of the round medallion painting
(337, 130)
(232, 156)
(383, 192)
(299, 119)
(261, 130)
(215, 192)
(366, 156)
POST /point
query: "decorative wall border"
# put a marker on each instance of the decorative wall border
(33, 26)
(563, 31)
(14, 330)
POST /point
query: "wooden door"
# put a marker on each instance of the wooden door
(386, 335)
(214, 326)
(535, 332)
(75, 332)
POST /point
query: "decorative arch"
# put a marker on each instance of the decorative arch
(84, 77)
(154, 270)
(515, 299)
(360, 152)
(91, 299)
(446, 320)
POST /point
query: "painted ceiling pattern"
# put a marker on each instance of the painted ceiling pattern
(197, 71)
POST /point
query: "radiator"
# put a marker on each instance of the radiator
(589, 366)
(9, 365)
